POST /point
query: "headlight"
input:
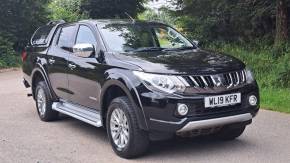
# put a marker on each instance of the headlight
(249, 76)
(166, 83)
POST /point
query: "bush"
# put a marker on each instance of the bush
(270, 72)
(163, 16)
(8, 57)
(283, 73)
(68, 10)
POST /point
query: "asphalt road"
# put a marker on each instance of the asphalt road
(24, 138)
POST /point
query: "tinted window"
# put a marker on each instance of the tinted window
(66, 37)
(85, 35)
(40, 36)
(126, 38)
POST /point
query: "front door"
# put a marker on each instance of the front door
(57, 59)
(83, 75)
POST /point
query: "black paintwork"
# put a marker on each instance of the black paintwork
(190, 62)
(87, 84)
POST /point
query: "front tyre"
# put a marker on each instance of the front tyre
(125, 136)
(44, 103)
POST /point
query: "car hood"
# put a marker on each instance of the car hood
(182, 62)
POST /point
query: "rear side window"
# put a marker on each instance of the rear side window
(41, 35)
(66, 37)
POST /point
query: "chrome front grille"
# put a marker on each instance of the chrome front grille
(228, 80)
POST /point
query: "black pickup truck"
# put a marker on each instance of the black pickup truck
(142, 81)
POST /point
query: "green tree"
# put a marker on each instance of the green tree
(68, 10)
(112, 8)
(20, 18)
(231, 20)
(281, 23)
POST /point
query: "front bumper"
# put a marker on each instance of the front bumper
(161, 115)
(209, 123)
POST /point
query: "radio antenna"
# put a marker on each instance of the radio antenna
(130, 17)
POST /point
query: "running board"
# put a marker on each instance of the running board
(84, 114)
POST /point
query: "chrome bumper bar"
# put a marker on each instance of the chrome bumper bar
(215, 122)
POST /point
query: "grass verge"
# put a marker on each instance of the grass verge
(275, 99)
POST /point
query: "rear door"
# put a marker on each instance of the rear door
(84, 78)
(57, 58)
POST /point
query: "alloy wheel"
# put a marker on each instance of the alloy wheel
(41, 102)
(119, 128)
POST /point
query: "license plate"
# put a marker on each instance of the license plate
(222, 100)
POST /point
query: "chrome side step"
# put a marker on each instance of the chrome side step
(87, 115)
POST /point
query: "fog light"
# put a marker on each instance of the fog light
(182, 109)
(253, 100)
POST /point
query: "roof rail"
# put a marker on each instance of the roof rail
(55, 22)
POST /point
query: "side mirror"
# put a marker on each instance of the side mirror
(83, 50)
(196, 42)
(101, 56)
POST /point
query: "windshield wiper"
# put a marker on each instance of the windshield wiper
(181, 48)
(148, 49)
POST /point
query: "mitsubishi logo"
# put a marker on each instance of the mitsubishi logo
(217, 80)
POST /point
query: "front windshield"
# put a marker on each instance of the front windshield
(141, 37)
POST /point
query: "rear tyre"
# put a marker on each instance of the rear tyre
(125, 136)
(44, 103)
(230, 133)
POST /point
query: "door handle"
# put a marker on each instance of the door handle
(72, 66)
(51, 61)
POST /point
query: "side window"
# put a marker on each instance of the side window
(169, 38)
(66, 37)
(40, 36)
(85, 35)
